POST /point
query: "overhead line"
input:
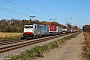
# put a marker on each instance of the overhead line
(33, 6)
(5, 9)
(13, 11)
(48, 9)
(41, 6)
(29, 3)
(51, 10)
(25, 8)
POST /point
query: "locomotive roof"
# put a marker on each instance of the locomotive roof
(34, 23)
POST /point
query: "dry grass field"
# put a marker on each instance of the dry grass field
(87, 38)
(87, 48)
(4, 34)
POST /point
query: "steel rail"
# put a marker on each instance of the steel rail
(23, 44)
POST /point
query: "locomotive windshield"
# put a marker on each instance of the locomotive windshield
(29, 26)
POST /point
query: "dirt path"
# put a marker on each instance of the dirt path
(71, 50)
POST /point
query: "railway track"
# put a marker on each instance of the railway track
(10, 42)
(12, 45)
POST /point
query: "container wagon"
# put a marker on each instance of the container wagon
(64, 30)
(68, 30)
(52, 30)
(59, 30)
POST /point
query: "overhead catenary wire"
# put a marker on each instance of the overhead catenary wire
(57, 17)
(48, 9)
(9, 1)
(26, 8)
(42, 6)
(34, 7)
(16, 12)
(5, 9)
(29, 3)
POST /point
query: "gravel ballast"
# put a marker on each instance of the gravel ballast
(18, 51)
(70, 50)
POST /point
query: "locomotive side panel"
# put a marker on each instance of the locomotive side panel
(47, 30)
(41, 29)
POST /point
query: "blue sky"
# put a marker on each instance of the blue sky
(58, 10)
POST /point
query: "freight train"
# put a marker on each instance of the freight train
(39, 30)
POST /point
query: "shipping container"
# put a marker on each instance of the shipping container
(64, 30)
(68, 30)
(59, 30)
(52, 29)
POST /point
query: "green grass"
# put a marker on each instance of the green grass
(10, 38)
(39, 50)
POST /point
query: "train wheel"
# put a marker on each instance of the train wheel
(32, 37)
(22, 38)
(36, 37)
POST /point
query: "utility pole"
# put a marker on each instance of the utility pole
(69, 23)
(53, 20)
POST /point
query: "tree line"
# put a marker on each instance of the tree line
(17, 25)
(86, 28)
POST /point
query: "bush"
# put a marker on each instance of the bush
(10, 38)
(39, 50)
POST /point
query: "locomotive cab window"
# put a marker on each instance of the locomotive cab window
(29, 26)
(35, 26)
(26, 26)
